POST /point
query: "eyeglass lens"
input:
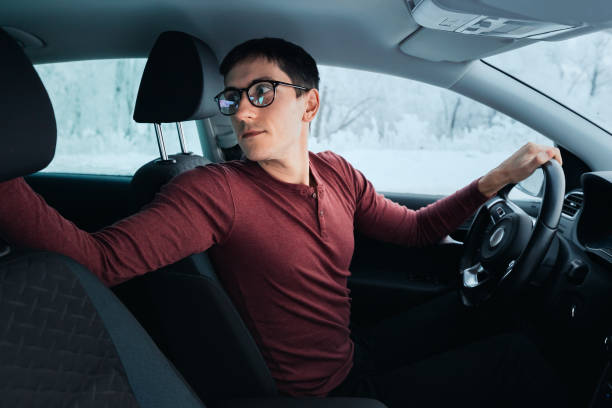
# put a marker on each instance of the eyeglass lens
(260, 94)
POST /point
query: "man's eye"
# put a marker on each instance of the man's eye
(262, 89)
(232, 96)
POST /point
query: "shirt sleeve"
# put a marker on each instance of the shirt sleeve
(191, 213)
(383, 219)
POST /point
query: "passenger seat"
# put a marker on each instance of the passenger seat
(65, 339)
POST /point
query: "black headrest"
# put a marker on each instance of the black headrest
(179, 81)
(27, 123)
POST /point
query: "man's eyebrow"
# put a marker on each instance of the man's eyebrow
(264, 78)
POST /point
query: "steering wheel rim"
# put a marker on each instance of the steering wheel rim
(504, 247)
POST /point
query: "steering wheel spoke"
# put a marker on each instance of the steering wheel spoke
(475, 275)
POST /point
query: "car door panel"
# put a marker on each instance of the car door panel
(387, 278)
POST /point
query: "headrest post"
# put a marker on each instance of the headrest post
(160, 142)
(179, 129)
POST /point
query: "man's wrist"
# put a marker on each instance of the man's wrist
(492, 182)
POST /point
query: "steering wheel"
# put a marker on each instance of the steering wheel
(504, 247)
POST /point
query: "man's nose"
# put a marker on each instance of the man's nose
(245, 108)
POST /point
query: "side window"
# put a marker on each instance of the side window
(410, 137)
(93, 103)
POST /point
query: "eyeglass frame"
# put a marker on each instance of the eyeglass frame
(246, 91)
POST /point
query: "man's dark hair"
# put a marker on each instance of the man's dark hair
(291, 58)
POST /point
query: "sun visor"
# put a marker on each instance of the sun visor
(436, 45)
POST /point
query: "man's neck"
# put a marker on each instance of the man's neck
(294, 170)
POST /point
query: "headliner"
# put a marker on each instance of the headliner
(364, 34)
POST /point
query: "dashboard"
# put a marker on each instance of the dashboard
(594, 228)
(586, 218)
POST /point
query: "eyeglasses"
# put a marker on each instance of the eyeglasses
(260, 93)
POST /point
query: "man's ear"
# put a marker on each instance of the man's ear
(312, 105)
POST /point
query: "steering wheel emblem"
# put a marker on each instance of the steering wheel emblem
(496, 237)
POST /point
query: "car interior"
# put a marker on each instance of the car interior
(172, 337)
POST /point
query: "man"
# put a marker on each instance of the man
(279, 226)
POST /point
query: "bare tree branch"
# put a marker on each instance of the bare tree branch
(353, 114)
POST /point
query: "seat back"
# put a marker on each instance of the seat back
(65, 340)
(184, 306)
(204, 334)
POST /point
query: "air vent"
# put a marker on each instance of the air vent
(572, 204)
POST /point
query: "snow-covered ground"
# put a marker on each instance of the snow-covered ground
(422, 171)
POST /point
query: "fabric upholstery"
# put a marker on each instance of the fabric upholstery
(54, 348)
(65, 340)
(153, 379)
(179, 81)
(27, 140)
(205, 336)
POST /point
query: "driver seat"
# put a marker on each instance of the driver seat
(184, 306)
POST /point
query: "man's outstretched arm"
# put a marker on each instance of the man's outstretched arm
(191, 213)
(380, 218)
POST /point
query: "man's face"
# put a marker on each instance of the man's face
(273, 132)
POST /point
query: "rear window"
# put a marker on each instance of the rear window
(93, 103)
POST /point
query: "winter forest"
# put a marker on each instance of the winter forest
(405, 136)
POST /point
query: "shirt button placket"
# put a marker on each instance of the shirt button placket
(321, 213)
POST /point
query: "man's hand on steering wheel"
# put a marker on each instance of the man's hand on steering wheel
(504, 246)
(517, 167)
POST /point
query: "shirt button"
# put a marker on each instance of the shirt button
(314, 195)
(321, 213)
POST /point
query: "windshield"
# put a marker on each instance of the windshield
(575, 72)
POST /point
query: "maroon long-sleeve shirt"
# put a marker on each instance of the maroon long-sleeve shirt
(282, 250)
